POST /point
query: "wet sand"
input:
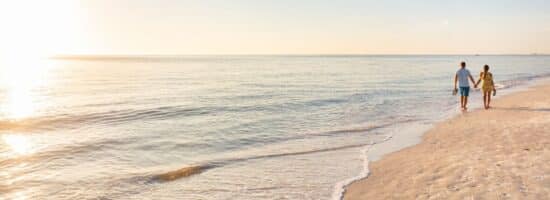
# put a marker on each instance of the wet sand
(501, 153)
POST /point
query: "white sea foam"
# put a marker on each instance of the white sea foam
(340, 187)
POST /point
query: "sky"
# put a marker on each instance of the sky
(274, 27)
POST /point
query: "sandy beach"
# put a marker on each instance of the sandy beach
(501, 153)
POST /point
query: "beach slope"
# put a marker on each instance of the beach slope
(501, 153)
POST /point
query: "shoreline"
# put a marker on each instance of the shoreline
(455, 127)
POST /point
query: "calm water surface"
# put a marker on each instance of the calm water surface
(262, 127)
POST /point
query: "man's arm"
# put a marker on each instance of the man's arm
(472, 79)
(456, 80)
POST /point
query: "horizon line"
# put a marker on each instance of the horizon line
(291, 54)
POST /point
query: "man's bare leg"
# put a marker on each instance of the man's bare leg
(465, 103)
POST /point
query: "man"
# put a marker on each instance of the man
(462, 76)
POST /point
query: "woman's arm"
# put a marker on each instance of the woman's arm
(479, 80)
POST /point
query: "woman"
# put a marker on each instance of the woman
(487, 86)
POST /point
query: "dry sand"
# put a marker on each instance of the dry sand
(501, 153)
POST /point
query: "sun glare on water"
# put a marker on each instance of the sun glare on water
(31, 32)
(21, 84)
(18, 144)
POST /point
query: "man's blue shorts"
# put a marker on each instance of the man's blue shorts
(464, 91)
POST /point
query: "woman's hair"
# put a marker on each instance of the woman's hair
(485, 71)
(486, 67)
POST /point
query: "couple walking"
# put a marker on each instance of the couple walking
(487, 85)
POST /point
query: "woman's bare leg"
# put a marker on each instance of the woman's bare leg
(485, 96)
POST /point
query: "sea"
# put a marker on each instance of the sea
(221, 127)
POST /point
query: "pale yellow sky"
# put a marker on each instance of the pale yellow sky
(274, 27)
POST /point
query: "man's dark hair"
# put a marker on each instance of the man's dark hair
(463, 64)
(486, 67)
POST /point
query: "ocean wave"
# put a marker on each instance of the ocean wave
(60, 153)
(180, 173)
(196, 169)
(520, 80)
(71, 121)
(81, 148)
